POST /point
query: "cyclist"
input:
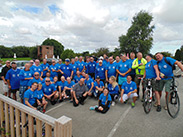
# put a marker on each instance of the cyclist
(152, 72)
(139, 66)
(166, 72)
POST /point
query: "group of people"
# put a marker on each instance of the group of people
(105, 79)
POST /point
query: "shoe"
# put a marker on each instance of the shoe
(165, 107)
(53, 102)
(82, 103)
(113, 103)
(158, 109)
(115, 97)
(155, 104)
(133, 104)
(60, 100)
(71, 101)
(44, 110)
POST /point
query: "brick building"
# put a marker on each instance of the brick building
(45, 50)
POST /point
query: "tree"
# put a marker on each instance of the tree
(139, 36)
(58, 47)
(178, 55)
(166, 54)
(101, 52)
(68, 53)
(21, 51)
(33, 52)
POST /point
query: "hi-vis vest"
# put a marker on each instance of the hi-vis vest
(136, 66)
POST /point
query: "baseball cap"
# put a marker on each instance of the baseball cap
(97, 77)
(150, 55)
(13, 62)
(67, 60)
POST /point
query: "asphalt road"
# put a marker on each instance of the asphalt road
(121, 120)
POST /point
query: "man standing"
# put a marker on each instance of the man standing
(74, 67)
(54, 69)
(80, 93)
(132, 58)
(59, 64)
(166, 72)
(81, 64)
(139, 66)
(67, 69)
(25, 75)
(3, 76)
(45, 67)
(37, 67)
(13, 79)
(100, 71)
(91, 67)
(110, 69)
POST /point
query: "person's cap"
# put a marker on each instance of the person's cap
(100, 61)
(97, 77)
(67, 60)
(122, 54)
(13, 62)
(101, 57)
(150, 55)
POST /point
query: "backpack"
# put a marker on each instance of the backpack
(173, 66)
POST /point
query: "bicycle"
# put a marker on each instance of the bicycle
(172, 100)
(147, 103)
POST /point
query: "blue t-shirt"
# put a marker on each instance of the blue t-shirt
(105, 63)
(111, 68)
(62, 84)
(77, 79)
(103, 99)
(91, 67)
(29, 94)
(74, 68)
(80, 65)
(34, 80)
(38, 94)
(37, 69)
(13, 76)
(100, 71)
(67, 69)
(113, 90)
(53, 73)
(128, 87)
(25, 74)
(165, 68)
(123, 67)
(100, 85)
(59, 65)
(56, 85)
(132, 72)
(43, 66)
(149, 68)
(89, 82)
(48, 90)
(69, 85)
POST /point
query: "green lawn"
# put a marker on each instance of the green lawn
(11, 59)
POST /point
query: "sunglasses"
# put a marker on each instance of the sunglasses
(47, 81)
(36, 75)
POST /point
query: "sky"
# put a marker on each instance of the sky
(86, 25)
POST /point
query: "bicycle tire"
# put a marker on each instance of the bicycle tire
(173, 104)
(147, 104)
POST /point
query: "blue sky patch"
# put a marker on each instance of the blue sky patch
(53, 9)
(29, 9)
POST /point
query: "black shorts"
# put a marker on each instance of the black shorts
(13, 90)
(40, 100)
(35, 105)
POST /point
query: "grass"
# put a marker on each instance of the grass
(11, 59)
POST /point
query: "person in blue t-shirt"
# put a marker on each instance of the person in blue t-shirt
(90, 84)
(110, 69)
(113, 89)
(98, 87)
(67, 88)
(104, 102)
(74, 67)
(166, 73)
(132, 72)
(67, 69)
(35, 79)
(54, 69)
(152, 72)
(123, 69)
(86, 64)
(77, 77)
(59, 64)
(61, 84)
(45, 68)
(80, 64)
(29, 99)
(129, 90)
(50, 92)
(25, 76)
(13, 79)
(100, 71)
(37, 68)
(39, 96)
(105, 61)
(91, 67)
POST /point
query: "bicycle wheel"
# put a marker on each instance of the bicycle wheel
(147, 104)
(173, 104)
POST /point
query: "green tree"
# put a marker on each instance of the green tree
(139, 36)
(68, 53)
(33, 52)
(58, 47)
(21, 51)
(101, 51)
(178, 55)
(167, 54)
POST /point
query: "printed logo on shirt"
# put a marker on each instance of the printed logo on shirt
(165, 66)
(67, 67)
(125, 65)
(39, 69)
(102, 68)
(29, 74)
(131, 88)
(126, 88)
(49, 89)
(120, 65)
(25, 74)
(94, 65)
(13, 75)
(113, 67)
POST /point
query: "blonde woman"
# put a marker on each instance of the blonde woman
(113, 89)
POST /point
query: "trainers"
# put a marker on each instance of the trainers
(165, 107)
(158, 109)
(60, 100)
(113, 103)
(133, 104)
(44, 110)
(93, 107)
(155, 104)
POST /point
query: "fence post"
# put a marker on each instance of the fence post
(63, 127)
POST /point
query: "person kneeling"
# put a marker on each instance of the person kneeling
(129, 90)
(80, 92)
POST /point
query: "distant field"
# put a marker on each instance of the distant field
(11, 59)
